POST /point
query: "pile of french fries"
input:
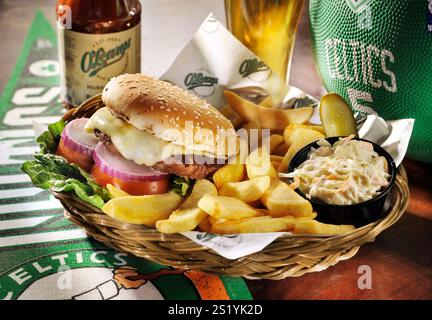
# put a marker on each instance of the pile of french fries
(245, 196)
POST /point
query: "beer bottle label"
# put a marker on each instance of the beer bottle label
(89, 61)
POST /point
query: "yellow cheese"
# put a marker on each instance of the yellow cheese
(133, 144)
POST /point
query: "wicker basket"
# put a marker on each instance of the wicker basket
(287, 256)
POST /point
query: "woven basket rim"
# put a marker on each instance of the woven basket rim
(74, 199)
(290, 255)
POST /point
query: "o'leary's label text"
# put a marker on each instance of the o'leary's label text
(95, 60)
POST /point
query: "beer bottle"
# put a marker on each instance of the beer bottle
(98, 39)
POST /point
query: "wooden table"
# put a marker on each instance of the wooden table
(400, 259)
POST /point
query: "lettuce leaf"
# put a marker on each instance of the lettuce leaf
(180, 185)
(48, 171)
(49, 140)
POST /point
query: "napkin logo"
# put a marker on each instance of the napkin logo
(98, 59)
(211, 25)
(201, 82)
(254, 69)
(204, 237)
(226, 242)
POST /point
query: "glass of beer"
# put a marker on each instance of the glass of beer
(267, 28)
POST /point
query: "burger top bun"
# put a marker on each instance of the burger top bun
(170, 113)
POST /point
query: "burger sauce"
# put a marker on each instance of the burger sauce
(97, 39)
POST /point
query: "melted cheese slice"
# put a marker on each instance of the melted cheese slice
(137, 145)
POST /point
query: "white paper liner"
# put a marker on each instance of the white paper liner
(234, 246)
(215, 53)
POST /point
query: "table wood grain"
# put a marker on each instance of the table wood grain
(401, 257)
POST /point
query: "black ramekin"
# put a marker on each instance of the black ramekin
(358, 214)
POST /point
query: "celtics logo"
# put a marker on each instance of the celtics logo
(80, 274)
(88, 274)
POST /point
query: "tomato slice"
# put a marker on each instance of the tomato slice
(84, 161)
(135, 188)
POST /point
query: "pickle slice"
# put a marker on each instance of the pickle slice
(336, 116)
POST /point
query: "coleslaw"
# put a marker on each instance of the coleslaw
(347, 172)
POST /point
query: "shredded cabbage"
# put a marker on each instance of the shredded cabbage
(348, 172)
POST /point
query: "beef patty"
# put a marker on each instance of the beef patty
(189, 166)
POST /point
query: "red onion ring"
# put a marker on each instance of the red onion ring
(117, 166)
(75, 137)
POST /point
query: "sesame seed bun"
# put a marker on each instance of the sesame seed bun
(170, 113)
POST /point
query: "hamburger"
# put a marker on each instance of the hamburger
(150, 132)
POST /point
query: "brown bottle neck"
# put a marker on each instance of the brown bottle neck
(102, 16)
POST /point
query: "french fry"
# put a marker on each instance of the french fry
(294, 132)
(200, 188)
(116, 192)
(315, 227)
(276, 164)
(205, 225)
(143, 209)
(253, 130)
(231, 115)
(231, 172)
(258, 164)
(277, 158)
(248, 190)
(281, 149)
(267, 102)
(304, 137)
(256, 225)
(188, 216)
(256, 204)
(214, 220)
(250, 225)
(315, 127)
(181, 221)
(312, 216)
(271, 118)
(251, 125)
(295, 184)
(266, 212)
(284, 164)
(221, 207)
(281, 200)
(275, 141)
